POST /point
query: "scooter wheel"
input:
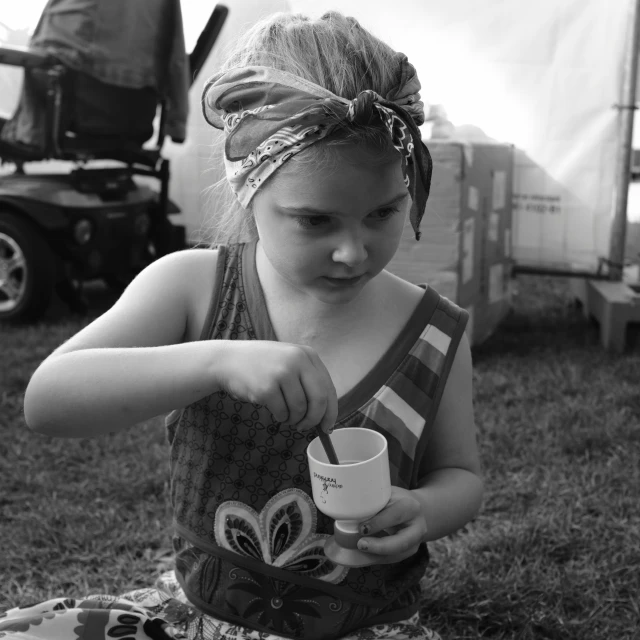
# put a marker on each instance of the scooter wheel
(27, 269)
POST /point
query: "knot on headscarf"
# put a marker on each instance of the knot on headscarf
(361, 109)
(269, 116)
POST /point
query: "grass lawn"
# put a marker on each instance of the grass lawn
(554, 554)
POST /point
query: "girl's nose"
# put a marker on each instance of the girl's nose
(350, 250)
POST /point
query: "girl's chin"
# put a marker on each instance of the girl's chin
(331, 292)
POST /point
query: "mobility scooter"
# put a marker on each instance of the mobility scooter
(106, 217)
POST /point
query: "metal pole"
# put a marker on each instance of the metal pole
(623, 164)
(523, 269)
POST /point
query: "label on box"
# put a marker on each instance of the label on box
(496, 283)
(499, 191)
(473, 201)
(494, 227)
(468, 239)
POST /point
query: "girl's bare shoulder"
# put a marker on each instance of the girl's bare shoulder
(193, 271)
(198, 267)
(405, 295)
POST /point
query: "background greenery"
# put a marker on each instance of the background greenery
(555, 552)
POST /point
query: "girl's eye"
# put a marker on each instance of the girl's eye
(311, 222)
(384, 214)
(314, 222)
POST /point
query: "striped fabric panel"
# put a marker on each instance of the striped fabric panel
(436, 338)
(415, 384)
(400, 463)
(403, 412)
(423, 366)
(400, 407)
(382, 415)
(429, 355)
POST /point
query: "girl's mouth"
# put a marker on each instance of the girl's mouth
(343, 282)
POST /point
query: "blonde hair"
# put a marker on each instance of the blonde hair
(333, 51)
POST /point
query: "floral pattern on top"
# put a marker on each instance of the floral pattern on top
(283, 534)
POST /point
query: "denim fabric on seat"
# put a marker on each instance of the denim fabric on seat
(120, 59)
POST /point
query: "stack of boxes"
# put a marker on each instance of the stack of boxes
(465, 249)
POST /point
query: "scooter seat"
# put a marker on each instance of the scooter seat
(81, 149)
(108, 148)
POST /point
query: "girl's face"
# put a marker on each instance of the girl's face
(328, 232)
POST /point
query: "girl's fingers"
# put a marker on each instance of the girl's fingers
(405, 539)
(278, 407)
(306, 397)
(329, 418)
(316, 394)
(326, 418)
(296, 401)
(401, 517)
(331, 412)
(397, 512)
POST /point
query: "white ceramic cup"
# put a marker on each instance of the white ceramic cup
(359, 486)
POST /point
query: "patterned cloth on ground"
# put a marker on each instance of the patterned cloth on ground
(159, 613)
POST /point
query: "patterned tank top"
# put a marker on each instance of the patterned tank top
(248, 537)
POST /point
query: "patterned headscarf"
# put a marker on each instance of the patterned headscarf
(269, 115)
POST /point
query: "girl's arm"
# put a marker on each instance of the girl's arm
(451, 487)
(89, 392)
(129, 364)
(132, 363)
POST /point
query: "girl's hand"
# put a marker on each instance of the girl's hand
(289, 379)
(402, 517)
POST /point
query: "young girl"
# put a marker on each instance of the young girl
(251, 347)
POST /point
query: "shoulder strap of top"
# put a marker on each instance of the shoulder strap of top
(219, 285)
(227, 317)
